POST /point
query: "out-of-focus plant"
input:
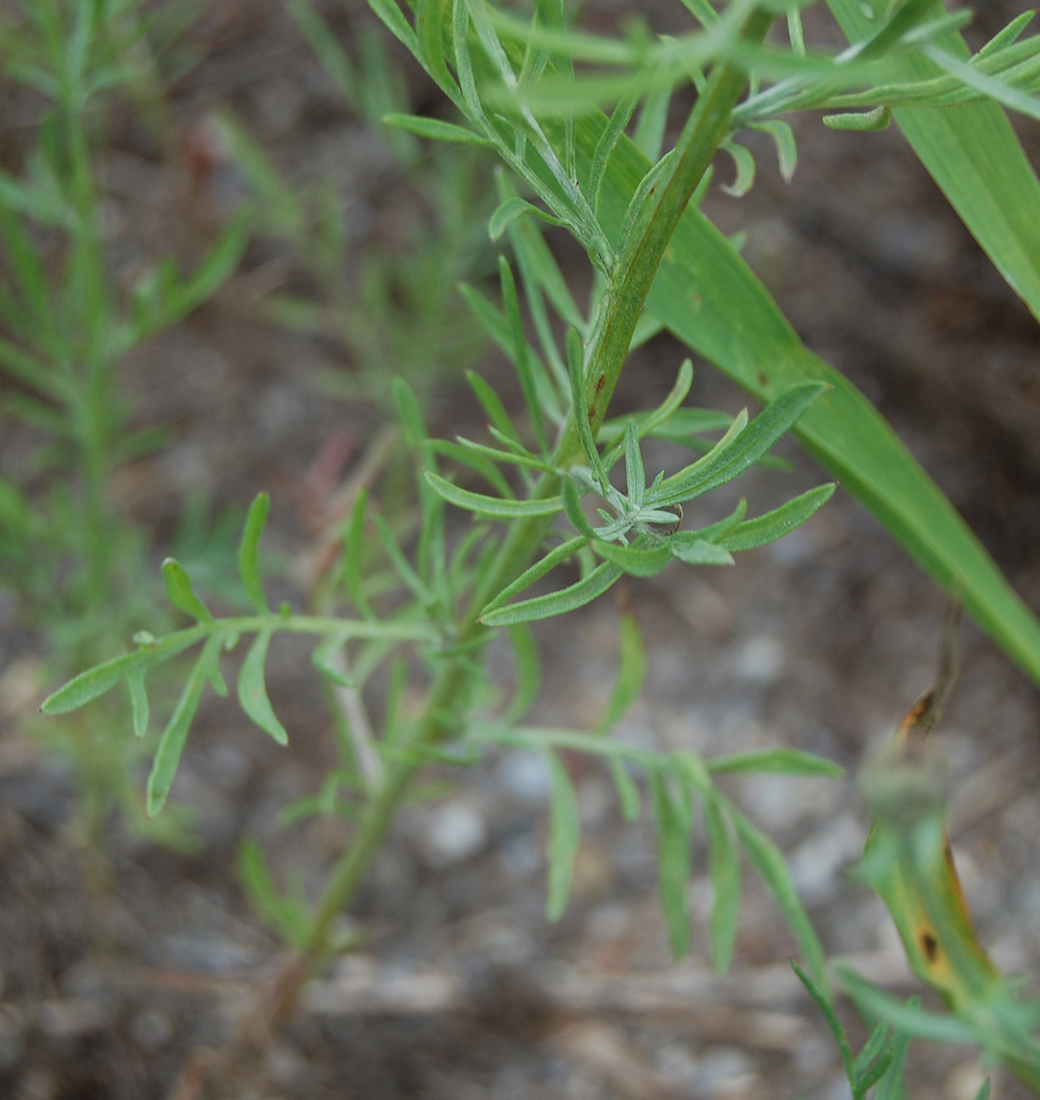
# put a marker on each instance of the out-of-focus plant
(75, 562)
(395, 311)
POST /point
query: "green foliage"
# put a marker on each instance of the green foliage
(551, 491)
(66, 327)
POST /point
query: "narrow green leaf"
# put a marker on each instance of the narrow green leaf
(249, 553)
(528, 672)
(171, 744)
(492, 405)
(211, 274)
(724, 866)
(353, 549)
(653, 120)
(492, 506)
(984, 1088)
(745, 164)
(482, 460)
(890, 1087)
(777, 762)
(284, 914)
(631, 672)
(138, 699)
(330, 53)
(769, 862)
(872, 1048)
(180, 593)
(687, 547)
(555, 603)
(635, 475)
(673, 863)
(96, 681)
(576, 370)
(400, 563)
(507, 212)
(779, 522)
(435, 129)
(638, 560)
(874, 1074)
(538, 263)
(729, 460)
(252, 689)
(525, 367)
(535, 572)
(628, 792)
(786, 147)
(324, 660)
(409, 413)
(605, 146)
(871, 1000)
(865, 121)
(564, 837)
(92, 683)
(822, 1002)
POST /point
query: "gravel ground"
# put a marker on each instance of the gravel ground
(111, 979)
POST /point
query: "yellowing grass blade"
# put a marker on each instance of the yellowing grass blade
(712, 301)
(973, 155)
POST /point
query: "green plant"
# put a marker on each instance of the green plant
(74, 561)
(526, 89)
(393, 311)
